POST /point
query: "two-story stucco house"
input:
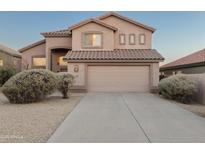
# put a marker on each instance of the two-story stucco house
(107, 53)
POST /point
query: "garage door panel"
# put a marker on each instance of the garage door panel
(118, 78)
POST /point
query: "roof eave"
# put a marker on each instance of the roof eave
(89, 21)
(182, 66)
(113, 60)
(32, 45)
(11, 54)
(55, 35)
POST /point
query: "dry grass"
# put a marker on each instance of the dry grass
(33, 122)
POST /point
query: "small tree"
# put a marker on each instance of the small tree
(65, 81)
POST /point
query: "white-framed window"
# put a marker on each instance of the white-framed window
(39, 61)
(61, 62)
(1, 62)
(122, 39)
(92, 40)
(142, 39)
(132, 39)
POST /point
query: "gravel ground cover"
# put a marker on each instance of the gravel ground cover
(34, 122)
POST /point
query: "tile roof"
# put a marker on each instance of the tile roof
(193, 58)
(9, 51)
(92, 20)
(116, 55)
(64, 32)
(32, 45)
(126, 19)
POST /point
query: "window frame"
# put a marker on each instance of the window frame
(120, 39)
(130, 35)
(140, 39)
(91, 47)
(38, 56)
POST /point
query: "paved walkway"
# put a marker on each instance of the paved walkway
(129, 117)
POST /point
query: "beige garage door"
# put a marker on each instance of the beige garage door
(118, 78)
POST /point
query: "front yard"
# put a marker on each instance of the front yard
(33, 122)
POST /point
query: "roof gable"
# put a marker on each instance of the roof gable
(126, 19)
(92, 21)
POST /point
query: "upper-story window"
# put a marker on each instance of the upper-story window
(142, 39)
(39, 61)
(1, 62)
(122, 39)
(92, 40)
(132, 39)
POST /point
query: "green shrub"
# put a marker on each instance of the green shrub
(64, 82)
(29, 86)
(177, 87)
(5, 74)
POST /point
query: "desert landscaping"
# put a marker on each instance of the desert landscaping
(34, 122)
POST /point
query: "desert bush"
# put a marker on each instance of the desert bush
(29, 86)
(178, 87)
(5, 74)
(64, 82)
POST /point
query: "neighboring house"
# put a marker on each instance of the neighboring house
(107, 53)
(191, 64)
(10, 58)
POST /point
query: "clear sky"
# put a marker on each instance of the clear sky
(177, 34)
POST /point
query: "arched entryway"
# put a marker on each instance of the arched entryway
(57, 63)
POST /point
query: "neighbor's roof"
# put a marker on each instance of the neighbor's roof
(59, 33)
(116, 55)
(9, 51)
(193, 58)
(90, 21)
(126, 19)
(32, 45)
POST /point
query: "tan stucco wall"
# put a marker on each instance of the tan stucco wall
(10, 61)
(80, 76)
(108, 36)
(56, 42)
(154, 74)
(17, 63)
(127, 28)
(28, 54)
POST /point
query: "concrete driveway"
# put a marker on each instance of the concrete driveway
(129, 117)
